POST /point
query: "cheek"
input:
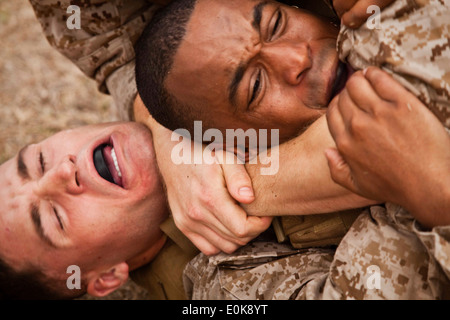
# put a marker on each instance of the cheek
(309, 26)
(112, 219)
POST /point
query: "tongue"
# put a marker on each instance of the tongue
(110, 163)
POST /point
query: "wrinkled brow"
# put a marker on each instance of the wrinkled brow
(240, 71)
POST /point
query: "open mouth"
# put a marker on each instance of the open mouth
(341, 79)
(106, 164)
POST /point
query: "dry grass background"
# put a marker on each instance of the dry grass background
(42, 92)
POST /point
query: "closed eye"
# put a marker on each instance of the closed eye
(59, 219)
(42, 162)
(256, 88)
(277, 23)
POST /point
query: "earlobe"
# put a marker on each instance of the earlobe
(103, 283)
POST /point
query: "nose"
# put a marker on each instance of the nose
(60, 179)
(288, 59)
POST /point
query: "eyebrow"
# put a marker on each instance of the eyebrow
(36, 219)
(22, 168)
(240, 70)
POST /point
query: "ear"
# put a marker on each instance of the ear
(103, 283)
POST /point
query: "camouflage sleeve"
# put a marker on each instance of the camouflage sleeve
(410, 41)
(384, 255)
(103, 46)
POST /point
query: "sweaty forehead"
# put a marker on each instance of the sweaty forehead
(218, 38)
(219, 30)
(13, 226)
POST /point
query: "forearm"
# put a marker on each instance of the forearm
(432, 211)
(428, 197)
(303, 184)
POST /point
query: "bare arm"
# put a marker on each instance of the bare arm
(303, 184)
(204, 199)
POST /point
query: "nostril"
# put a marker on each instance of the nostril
(300, 76)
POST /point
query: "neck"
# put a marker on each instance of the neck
(147, 255)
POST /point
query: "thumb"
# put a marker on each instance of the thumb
(239, 183)
(339, 169)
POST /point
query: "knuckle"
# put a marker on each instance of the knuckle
(230, 248)
(207, 199)
(237, 176)
(357, 126)
(194, 213)
(209, 251)
(343, 144)
(180, 222)
(382, 110)
(240, 231)
(354, 82)
(241, 242)
(371, 72)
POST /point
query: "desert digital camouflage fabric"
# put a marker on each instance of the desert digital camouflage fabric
(104, 46)
(412, 263)
(413, 44)
(386, 254)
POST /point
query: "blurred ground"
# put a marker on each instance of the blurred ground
(41, 92)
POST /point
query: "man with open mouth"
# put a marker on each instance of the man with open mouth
(90, 197)
(108, 169)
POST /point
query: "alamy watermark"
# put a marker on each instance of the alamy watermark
(374, 279)
(74, 20)
(249, 146)
(374, 21)
(74, 280)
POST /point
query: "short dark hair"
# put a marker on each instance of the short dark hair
(31, 284)
(155, 52)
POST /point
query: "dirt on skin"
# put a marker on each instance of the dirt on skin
(42, 92)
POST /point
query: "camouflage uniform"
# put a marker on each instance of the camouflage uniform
(413, 44)
(412, 263)
(386, 254)
(103, 48)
